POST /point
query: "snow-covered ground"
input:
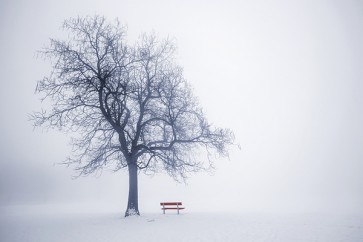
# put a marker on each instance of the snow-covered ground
(47, 223)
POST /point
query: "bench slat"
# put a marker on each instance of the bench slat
(172, 208)
(171, 203)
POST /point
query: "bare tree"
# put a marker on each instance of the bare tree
(129, 104)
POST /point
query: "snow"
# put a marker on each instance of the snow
(52, 223)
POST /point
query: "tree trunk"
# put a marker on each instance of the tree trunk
(133, 202)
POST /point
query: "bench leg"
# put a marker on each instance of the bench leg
(163, 209)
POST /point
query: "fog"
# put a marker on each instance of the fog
(285, 76)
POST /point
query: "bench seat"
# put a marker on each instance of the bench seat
(171, 208)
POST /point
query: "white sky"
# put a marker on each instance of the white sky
(285, 76)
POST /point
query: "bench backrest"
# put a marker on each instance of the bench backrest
(170, 204)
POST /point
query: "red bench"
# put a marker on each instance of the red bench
(171, 206)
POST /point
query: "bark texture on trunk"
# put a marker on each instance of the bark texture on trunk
(133, 201)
